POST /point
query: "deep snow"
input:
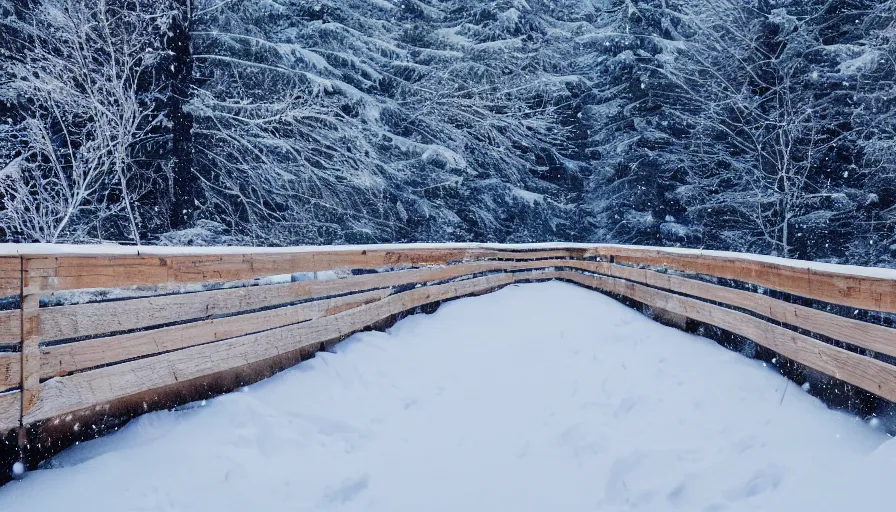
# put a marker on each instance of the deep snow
(541, 397)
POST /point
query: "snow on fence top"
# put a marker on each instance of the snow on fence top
(95, 334)
(118, 250)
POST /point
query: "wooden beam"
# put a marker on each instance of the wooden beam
(209, 346)
(57, 273)
(30, 350)
(10, 333)
(63, 322)
(858, 291)
(60, 360)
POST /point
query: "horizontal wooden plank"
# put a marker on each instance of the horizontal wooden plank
(93, 319)
(10, 327)
(10, 405)
(64, 321)
(10, 275)
(869, 374)
(82, 390)
(56, 273)
(863, 292)
(10, 370)
(93, 388)
(861, 334)
(63, 359)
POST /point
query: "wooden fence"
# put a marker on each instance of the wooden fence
(86, 337)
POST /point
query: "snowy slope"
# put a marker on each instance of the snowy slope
(538, 397)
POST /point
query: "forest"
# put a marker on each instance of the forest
(763, 126)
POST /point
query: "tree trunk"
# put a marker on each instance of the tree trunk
(184, 183)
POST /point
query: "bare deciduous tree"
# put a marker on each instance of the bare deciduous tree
(756, 133)
(83, 87)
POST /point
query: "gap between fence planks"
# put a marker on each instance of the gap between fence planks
(74, 392)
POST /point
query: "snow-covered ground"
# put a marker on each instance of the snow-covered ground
(541, 397)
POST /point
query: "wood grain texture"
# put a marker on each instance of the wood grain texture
(861, 292)
(63, 359)
(74, 392)
(30, 348)
(56, 273)
(861, 334)
(10, 275)
(10, 370)
(93, 319)
(10, 327)
(209, 346)
(10, 407)
(869, 374)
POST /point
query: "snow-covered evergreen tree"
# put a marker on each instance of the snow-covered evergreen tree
(361, 121)
(633, 130)
(763, 126)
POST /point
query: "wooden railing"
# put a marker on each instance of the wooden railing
(90, 334)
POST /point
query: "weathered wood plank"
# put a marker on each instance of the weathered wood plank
(10, 370)
(72, 272)
(861, 334)
(56, 273)
(30, 351)
(10, 408)
(10, 327)
(869, 374)
(74, 392)
(861, 292)
(104, 317)
(10, 275)
(63, 359)
(10, 333)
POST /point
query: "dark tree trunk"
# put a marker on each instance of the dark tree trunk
(184, 183)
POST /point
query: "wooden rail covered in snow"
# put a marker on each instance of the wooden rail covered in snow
(90, 334)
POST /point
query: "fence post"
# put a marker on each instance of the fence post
(30, 304)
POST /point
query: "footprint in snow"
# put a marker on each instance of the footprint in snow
(347, 491)
(763, 481)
